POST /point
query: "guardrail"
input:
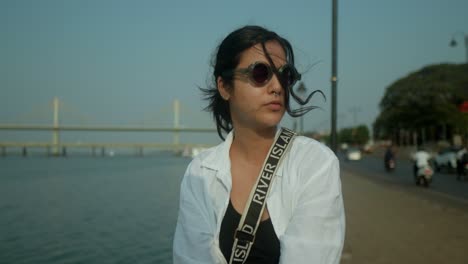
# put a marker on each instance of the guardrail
(63, 149)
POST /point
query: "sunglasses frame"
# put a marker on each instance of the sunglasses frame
(248, 72)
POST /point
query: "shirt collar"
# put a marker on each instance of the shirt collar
(219, 160)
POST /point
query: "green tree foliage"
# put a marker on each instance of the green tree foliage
(345, 135)
(355, 135)
(428, 97)
(362, 134)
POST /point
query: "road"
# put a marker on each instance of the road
(443, 183)
(391, 220)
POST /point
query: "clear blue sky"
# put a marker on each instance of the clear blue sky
(123, 62)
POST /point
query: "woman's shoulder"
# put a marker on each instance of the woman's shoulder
(311, 149)
(311, 164)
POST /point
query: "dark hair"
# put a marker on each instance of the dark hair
(227, 58)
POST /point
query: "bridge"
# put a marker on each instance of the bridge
(58, 148)
(96, 148)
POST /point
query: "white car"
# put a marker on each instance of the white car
(344, 146)
(353, 154)
(446, 158)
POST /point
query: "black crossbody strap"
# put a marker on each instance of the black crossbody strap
(245, 233)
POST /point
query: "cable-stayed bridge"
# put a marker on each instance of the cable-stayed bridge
(58, 147)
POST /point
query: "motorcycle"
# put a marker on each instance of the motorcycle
(390, 165)
(464, 172)
(424, 176)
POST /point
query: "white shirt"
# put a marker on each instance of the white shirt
(305, 205)
(421, 158)
(460, 153)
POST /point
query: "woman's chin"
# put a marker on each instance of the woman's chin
(272, 120)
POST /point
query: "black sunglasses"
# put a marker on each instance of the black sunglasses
(259, 73)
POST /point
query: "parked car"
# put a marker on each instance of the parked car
(344, 147)
(353, 154)
(446, 158)
(368, 147)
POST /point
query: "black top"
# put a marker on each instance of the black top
(266, 247)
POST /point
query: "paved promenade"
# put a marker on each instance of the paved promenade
(387, 223)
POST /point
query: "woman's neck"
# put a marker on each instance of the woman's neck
(253, 145)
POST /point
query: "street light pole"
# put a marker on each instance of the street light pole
(334, 79)
(453, 43)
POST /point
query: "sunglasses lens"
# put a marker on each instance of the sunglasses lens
(260, 73)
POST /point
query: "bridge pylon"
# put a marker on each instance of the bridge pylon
(55, 133)
(176, 106)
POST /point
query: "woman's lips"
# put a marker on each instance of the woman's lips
(274, 105)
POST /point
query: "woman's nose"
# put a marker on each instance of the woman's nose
(274, 85)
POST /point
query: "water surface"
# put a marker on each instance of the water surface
(89, 210)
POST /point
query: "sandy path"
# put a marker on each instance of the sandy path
(388, 224)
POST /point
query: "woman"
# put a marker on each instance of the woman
(303, 221)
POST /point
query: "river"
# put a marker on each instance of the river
(82, 209)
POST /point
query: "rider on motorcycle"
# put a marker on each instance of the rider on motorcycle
(462, 160)
(421, 159)
(389, 157)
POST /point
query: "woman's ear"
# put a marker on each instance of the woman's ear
(222, 88)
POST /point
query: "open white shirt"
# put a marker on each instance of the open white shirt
(460, 153)
(421, 158)
(305, 205)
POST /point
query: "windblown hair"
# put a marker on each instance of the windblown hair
(227, 58)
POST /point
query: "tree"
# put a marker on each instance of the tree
(355, 135)
(361, 135)
(427, 99)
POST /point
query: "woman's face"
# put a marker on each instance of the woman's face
(254, 106)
